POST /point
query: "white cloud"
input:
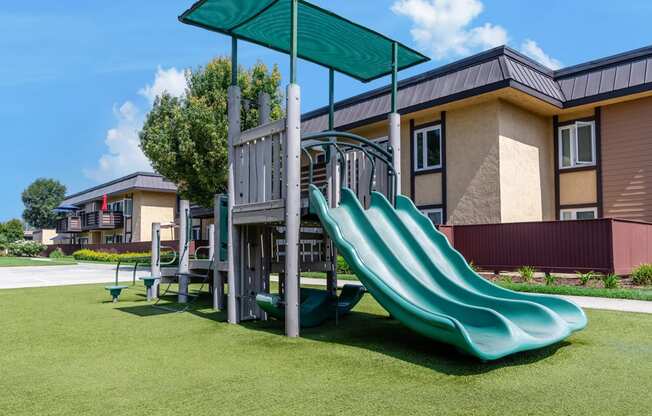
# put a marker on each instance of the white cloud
(123, 154)
(443, 26)
(170, 80)
(534, 51)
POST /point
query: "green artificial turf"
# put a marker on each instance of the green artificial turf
(638, 294)
(68, 351)
(26, 261)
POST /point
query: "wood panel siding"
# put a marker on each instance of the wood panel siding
(627, 160)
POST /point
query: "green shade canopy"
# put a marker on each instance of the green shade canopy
(323, 37)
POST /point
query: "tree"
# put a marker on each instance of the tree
(186, 138)
(11, 231)
(40, 200)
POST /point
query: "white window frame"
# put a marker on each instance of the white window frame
(573, 212)
(440, 211)
(424, 155)
(572, 128)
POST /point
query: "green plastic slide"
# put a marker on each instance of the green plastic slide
(410, 268)
(316, 306)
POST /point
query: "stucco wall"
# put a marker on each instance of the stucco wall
(526, 165)
(577, 187)
(428, 189)
(472, 163)
(44, 236)
(152, 207)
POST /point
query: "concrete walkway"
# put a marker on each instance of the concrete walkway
(83, 273)
(621, 305)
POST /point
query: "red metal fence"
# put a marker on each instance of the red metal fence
(603, 245)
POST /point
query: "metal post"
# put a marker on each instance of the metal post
(234, 231)
(395, 122)
(294, 21)
(155, 268)
(333, 184)
(184, 248)
(292, 210)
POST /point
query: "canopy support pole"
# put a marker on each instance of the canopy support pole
(333, 184)
(185, 223)
(293, 191)
(233, 242)
(395, 123)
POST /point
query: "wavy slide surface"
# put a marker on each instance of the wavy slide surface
(410, 268)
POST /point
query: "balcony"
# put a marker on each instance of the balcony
(101, 220)
(70, 224)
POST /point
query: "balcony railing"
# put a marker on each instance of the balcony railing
(101, 220)
(69, 225)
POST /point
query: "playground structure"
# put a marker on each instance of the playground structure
(295, 200)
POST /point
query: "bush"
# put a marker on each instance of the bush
(527, 273)
(585, 277)
(506, 279)
(473, 266)
(57, 254)
(642, 275)
(342, 266)
(25, 248)
(107, 257)
(611, 281)
(550, 279)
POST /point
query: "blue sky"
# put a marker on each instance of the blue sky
(77, 77)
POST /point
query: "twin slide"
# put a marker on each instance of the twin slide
(410, 268)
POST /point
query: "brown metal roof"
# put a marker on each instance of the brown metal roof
(494, 69)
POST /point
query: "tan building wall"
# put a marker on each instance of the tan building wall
(627, 160)
(472, 164)
(428, 189)
(44, 236)
(578, 187)
(526, 154)
(150, 207)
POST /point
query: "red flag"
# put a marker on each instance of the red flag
(105, 204)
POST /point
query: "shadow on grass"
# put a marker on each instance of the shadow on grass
(168, 305)
(383, 335)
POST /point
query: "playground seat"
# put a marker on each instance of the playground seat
(115, 291)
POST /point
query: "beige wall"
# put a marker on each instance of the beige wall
(44, 236)
(427, 189)
(150, 207)
(577, 187)
(472, 164)
(526, 165)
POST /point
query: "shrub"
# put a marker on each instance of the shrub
(473, 266)
(550, 279)
(108, 257)
(506, 279)
(585, 277)
(527, 273)
(342, 266)
(57, 254)
(25, 248)
(642, 275)
(611, 281)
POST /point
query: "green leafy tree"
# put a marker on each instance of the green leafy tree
(11, 231)
(40, 200)
(186, 138)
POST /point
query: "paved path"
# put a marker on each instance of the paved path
(622, 305)
(83, 273)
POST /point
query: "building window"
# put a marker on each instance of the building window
(577, 145)
(427, 148)
(196, 233)
(116, 206)
(129, 207)
(436, 215)
(117, 239)
(108, 239)
(578, 214)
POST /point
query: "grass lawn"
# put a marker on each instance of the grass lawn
(26, 261)
(638, 294)
(67, 351)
